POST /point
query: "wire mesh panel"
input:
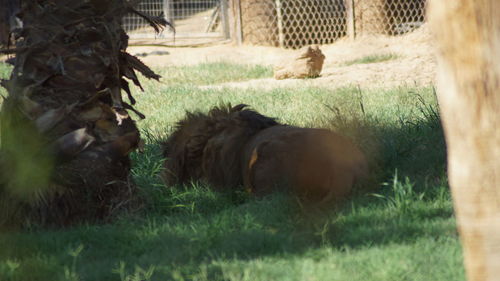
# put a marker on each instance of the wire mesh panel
(308, 22)
(195, 16)
(192, 19)
(259, 22)
(390, 17)
(295, 23)
(292, 24)
(404, 15)
(136, 26)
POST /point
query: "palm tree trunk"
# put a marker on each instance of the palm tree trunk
(7, 20)
(65, 131)
(468, 35)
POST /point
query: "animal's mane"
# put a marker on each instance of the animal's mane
(208, 145)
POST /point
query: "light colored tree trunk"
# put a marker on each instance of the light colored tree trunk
(468, 37)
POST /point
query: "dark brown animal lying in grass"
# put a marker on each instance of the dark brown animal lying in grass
(234, 146)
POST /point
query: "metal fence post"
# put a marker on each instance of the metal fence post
(167, 12)
(281, 36)
(235, 21)
(224, 18)
(350, 19)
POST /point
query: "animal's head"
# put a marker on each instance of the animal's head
(208, 146)
(180, 148)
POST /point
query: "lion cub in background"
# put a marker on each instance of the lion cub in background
(234, 146)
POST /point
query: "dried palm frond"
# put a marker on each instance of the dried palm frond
(65, 129)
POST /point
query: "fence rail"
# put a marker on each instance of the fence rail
(195, 21)
(284, 23)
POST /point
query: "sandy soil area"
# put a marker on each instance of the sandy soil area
(415, 64)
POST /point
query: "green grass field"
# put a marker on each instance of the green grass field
(399, 227)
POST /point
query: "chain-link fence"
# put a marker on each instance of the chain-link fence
(285, 23)
(195, 21)
(292, 23)
(389, 17)
(296, 23)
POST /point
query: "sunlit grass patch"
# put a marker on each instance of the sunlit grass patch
(212, 73)
(373, 59)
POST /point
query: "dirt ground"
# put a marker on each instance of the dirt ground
(415, 64)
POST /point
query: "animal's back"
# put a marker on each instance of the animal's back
(317, 164)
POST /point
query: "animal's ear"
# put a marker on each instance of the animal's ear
(238, 107)
(256, 120)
